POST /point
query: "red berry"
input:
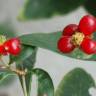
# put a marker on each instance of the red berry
(65, 45)
(87, 24)
(88, 46)
(13, 46)
(2, 50)
(70, 29)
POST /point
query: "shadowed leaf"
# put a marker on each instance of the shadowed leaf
(34, 9)
(76, 83)
(90, 6)
(45, 84)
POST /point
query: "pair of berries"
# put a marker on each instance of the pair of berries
(11, 46)
(79, 36)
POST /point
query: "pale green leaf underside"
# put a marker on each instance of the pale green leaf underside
(5, 77)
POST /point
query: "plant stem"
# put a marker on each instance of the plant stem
(20, 72)
(24, 86)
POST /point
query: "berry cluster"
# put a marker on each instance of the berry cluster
(79, 36)
(11, 46)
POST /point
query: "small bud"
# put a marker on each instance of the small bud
(2, 39)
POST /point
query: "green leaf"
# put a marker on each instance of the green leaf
(43, 40)
(75, 83)
(25, 53)
(6, 77)
(45, 84)
(27, 58)
(34, 9)
(49, 41)
(90, 6)
(26, 83)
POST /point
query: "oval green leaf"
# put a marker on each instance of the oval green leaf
(49, 41)
(45, 84)
(76, 83)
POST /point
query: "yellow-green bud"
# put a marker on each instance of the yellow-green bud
(2, 39)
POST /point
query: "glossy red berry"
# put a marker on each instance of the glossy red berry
(13, 46)
(2, 50)
(88, 46)
(87, 25)
(70, 29)
(65, 45)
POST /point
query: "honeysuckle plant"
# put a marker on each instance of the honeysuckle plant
(76, 41)
(22, 50)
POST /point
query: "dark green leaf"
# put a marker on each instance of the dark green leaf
(45, 84)
(25, 53)
(27, 58)
(75, 83)
(49, 41)
(47, 8)
(90, 6)
(26, 83)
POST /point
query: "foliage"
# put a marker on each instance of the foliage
(76, 83)
(37, 9)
